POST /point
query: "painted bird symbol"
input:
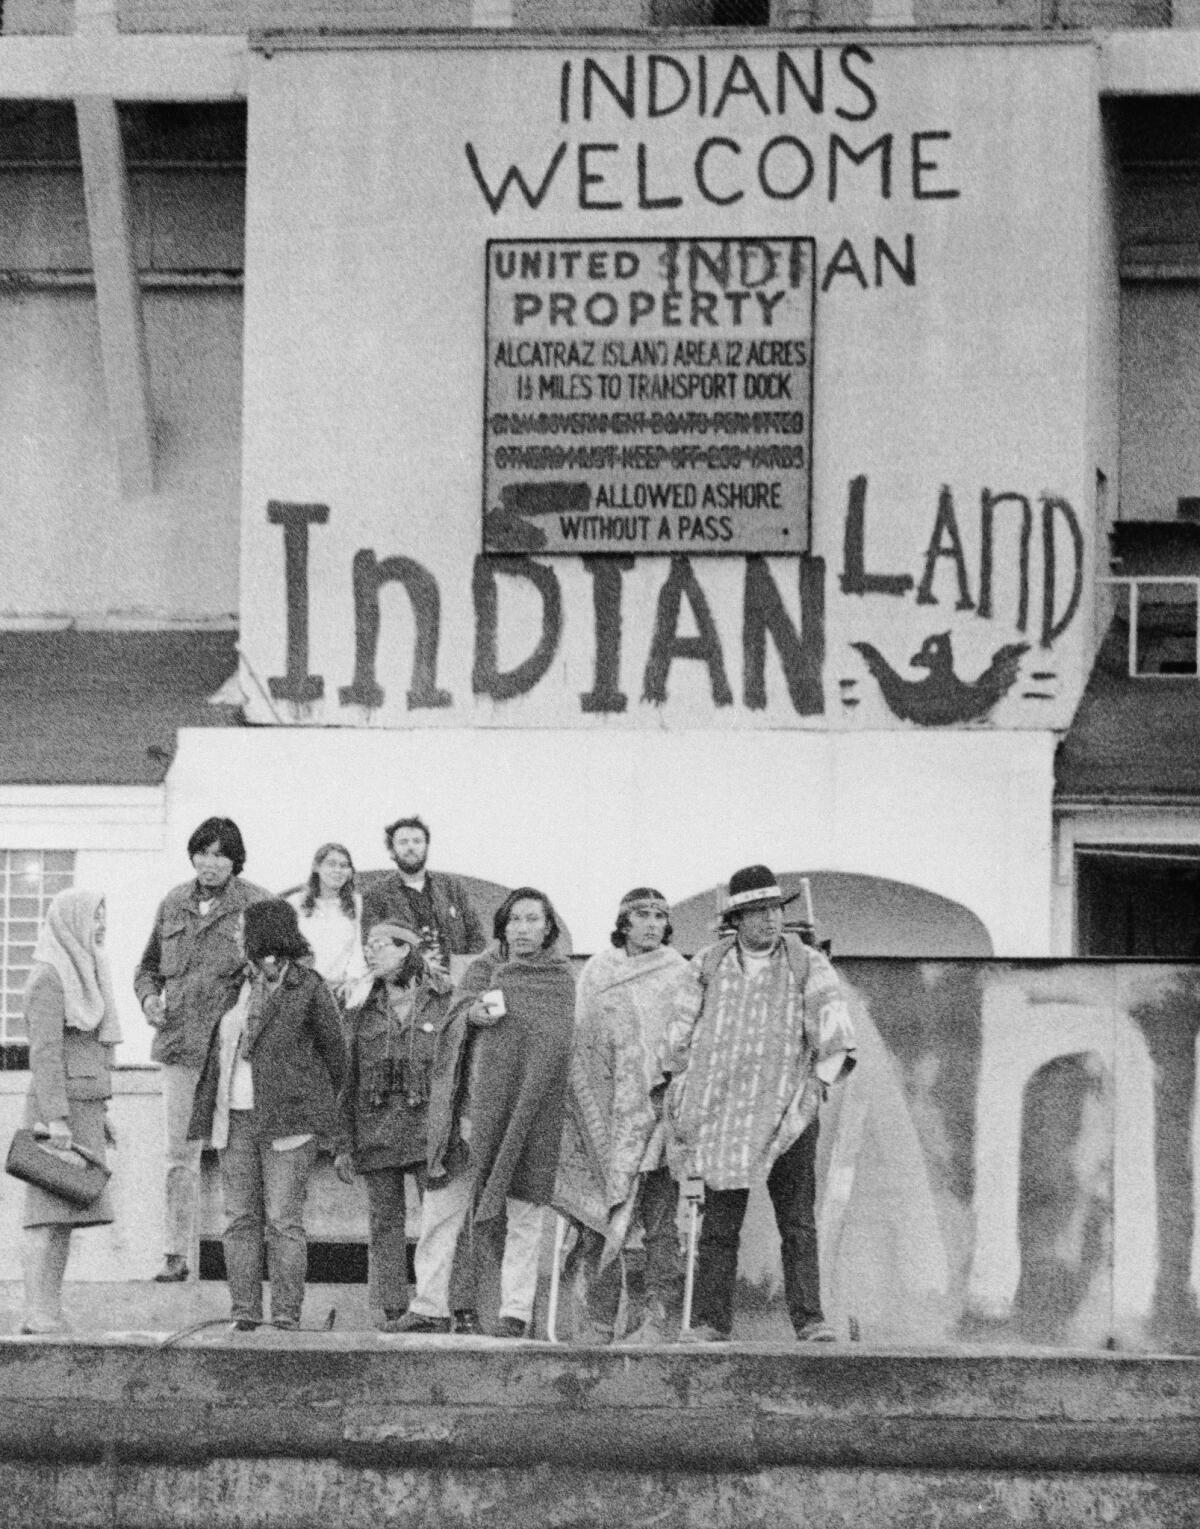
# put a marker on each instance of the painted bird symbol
(941, 698)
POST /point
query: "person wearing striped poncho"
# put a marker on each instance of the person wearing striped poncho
(760, 1032)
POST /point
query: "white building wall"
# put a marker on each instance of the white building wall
(587, 816)
(81, 550)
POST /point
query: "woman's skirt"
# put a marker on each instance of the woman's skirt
(45, 1209)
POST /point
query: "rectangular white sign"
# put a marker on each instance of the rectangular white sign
(648, 395)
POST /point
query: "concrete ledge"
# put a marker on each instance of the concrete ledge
(374, 1402)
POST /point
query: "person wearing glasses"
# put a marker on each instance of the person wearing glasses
(384, 1102)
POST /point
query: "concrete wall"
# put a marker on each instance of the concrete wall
(86, 551)
(1014, 1157)
(80, 549)
(1160, 351)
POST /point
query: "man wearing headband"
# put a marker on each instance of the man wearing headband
(613, 1173)
(761, 1034)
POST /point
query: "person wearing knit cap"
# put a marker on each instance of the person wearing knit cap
(267, 1101)
(73, 1028)
(384, 1101)
(612, 1168)
(761, 1033)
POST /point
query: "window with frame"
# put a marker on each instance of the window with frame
(29, 878)
(1157, 614)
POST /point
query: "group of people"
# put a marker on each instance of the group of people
(329, 1021)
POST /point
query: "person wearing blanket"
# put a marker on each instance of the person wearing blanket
(496, 1113)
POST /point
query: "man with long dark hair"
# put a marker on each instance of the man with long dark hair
(612, 1171)
(188, 977)
(501, 1065)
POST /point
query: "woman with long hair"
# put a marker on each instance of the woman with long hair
(329, 912)
(267, 1097)
(73, 1028)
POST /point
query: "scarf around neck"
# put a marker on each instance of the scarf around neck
(67, 944)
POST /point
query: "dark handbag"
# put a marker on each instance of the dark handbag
(78, 1175)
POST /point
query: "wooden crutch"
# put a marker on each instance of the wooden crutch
(560, 1237)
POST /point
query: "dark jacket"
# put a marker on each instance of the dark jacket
(458, 926)
(384, 1100)
(194, 962)
(297, 1060)
(64, 1063)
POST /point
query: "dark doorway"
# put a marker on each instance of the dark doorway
(1142, 902)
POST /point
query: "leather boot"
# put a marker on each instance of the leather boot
(174, 1270)
(651, 1329)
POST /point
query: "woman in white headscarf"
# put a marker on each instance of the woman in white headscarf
(72, 1022)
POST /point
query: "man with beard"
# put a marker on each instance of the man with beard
(433, 904)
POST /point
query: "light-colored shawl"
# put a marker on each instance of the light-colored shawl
(67, 944)
(612, 1134)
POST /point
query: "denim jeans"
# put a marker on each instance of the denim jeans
(183, 1160)
(658, 1199)
(264, 1209)
(792, 1185)
(387, 1223)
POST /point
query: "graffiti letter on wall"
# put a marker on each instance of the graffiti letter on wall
(988, 505)
(945, 526)
(513, 177)
(606, 694)
(486, 677)
(1051, 628)
(855, 578)
(297, 686)
(667, 645)
(882, 146)
(369, 576)
(801, 654)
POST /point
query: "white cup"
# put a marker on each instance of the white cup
(493, 1002)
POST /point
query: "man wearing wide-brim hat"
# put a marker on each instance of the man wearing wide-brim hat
(761, 1033)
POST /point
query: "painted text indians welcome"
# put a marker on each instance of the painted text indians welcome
(741, 92)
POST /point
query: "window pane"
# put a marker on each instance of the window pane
(29, 878)
(1166, 628)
